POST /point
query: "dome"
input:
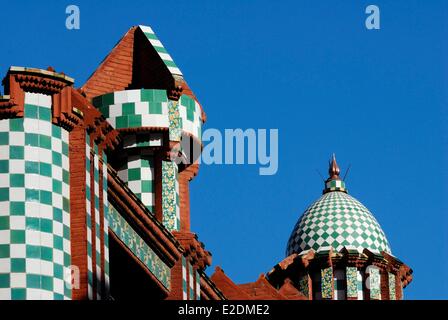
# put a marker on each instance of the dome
(337, 220)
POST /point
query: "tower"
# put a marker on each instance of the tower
(337, 250)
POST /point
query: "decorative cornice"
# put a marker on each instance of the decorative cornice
(194, 249)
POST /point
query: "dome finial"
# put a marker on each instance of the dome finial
(334, 182)
(333, 169)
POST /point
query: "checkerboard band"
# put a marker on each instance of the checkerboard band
(34, 205)
(163, 54)
(338, 220)
(335, 185)
(151, 108)
(137, 171)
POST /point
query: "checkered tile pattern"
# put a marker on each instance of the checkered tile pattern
(337, 220)
(34, 205)
(142, 140)
(158, 46)
(334, 185)
(89, 220)
(96, 182)
(191, 281)
(190, 113)
(184, 279)
(340, 285)
(106, 227)
(138, 173)
(151, 108)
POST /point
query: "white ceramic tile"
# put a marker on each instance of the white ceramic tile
(133, 95)
(47, 295)
(31, 125)
(58, 257)
(58, 285)
(17, 166)
(17, 222)
(56, 145)
(4, 205)
(32, 98)
(5, 294)
(18, 280)
(45, 100)
(46, 239)
(4, 152)
(4, 181)
(32, 237)
(45, 155)
(142, 107)
(120, 97)
(17, 138)
(65, 135)
(57, 200)
(4, 125)
(135, 186)
(17, 194)
(146, 29)
(18, 251)
(58, 229)
(32, 209)
(46, 268)
(45, 183)
(33, 266)
(31, 153)
(33, 294)
(5, 237)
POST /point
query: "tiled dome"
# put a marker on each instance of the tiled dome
(337, 220)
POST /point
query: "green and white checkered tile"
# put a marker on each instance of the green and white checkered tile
(106, 228)
(198, 286)
(191, 281)
(337, 220)
(34, 205)
(89, 221)
(150, 108)
(98, 249)
(158, 46)
(138, 173)
(184, 279)
(190, 113)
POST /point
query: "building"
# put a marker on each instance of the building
(94, 195)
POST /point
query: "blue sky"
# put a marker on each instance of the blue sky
(309, 68)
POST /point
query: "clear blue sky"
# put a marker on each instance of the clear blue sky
(378, 99)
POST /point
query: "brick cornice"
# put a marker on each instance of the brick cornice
(194, 249)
